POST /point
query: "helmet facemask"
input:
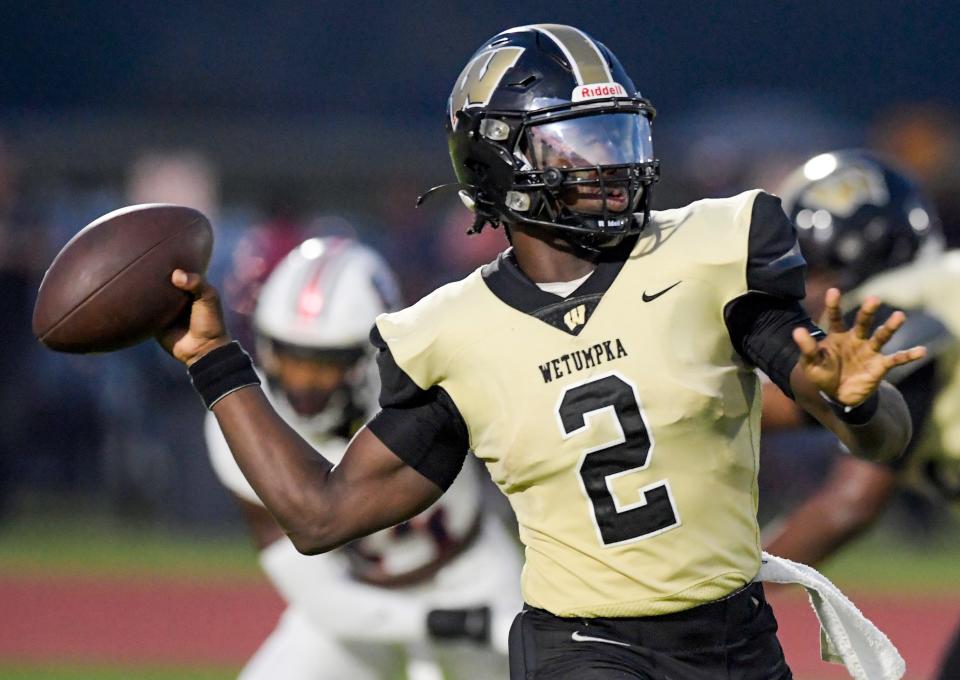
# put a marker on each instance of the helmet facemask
(323, 389)
(582, 170)
(588, 174)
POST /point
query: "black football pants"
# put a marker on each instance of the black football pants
(950, 664)
(730, 639)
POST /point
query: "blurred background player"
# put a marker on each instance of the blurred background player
(257, 253)
(866, 228)
(450, 572)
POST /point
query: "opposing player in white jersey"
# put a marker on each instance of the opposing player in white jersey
(448, 574)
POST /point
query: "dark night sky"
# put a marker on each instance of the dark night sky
(400, 58)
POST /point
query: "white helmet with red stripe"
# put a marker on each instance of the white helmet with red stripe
(317, 308)
(325, 294)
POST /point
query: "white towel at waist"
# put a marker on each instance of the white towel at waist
(846, 635)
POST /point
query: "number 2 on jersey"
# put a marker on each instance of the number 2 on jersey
(655, 512)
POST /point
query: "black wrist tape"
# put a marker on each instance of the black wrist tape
(855, 415)
(222, 371)
(459, 624)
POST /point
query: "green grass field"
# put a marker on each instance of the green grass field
(886, 561)
(96, 546)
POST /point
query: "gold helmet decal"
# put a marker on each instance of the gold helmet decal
(483, 74)
(828, 183)
(480, 78)
(586, 60)
(844, 191)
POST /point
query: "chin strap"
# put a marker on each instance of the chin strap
(483, 213)
(421, 199)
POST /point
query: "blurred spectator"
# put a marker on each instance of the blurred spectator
(925, 138)
(142, 399)
(50, 430)
(746, 140)
(182, 177)
(14, 305)
(258, 251)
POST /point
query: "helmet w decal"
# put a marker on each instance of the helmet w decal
(546, 128)
(858, 215)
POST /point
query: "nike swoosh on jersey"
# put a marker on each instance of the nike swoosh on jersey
(577, 637)
(651, 298)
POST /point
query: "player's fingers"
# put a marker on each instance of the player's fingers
(195, 284)
(904, 357)
(861, 326)
(190, 282)
(886, 330)
(806, 343)
(832, 303)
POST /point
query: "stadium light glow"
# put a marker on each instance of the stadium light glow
(820, 166)
(312, 249)
(919, 219)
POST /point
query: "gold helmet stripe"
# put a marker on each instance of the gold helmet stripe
(480, 78)
(588, 63)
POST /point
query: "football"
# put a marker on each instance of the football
(109, 287)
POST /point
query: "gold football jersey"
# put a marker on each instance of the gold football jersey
(625, 432)
(931, 286)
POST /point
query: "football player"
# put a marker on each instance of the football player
(410, 585)
(603, 368)
(866, 228)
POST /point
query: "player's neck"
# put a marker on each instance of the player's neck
(545, 258)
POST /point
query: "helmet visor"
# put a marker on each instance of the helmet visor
(590, 141)
(598, 157)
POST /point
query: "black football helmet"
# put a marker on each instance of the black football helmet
(857, 215)
(545, 128)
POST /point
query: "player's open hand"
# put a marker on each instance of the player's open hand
(848, 365)
(203, 329)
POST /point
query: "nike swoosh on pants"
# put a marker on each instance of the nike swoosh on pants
(577, 637)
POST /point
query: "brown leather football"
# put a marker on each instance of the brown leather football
(110, 288)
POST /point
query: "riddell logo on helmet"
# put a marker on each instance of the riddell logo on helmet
(597, 91)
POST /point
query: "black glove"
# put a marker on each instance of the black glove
(460, 624)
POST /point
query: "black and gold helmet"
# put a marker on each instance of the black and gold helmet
(858, 215)
(545, 128)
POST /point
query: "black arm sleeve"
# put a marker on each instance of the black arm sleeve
(918, 391)
(422, 427)
(761, 322)
(761, 329)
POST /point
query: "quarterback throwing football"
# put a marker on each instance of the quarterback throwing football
(603, 368)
